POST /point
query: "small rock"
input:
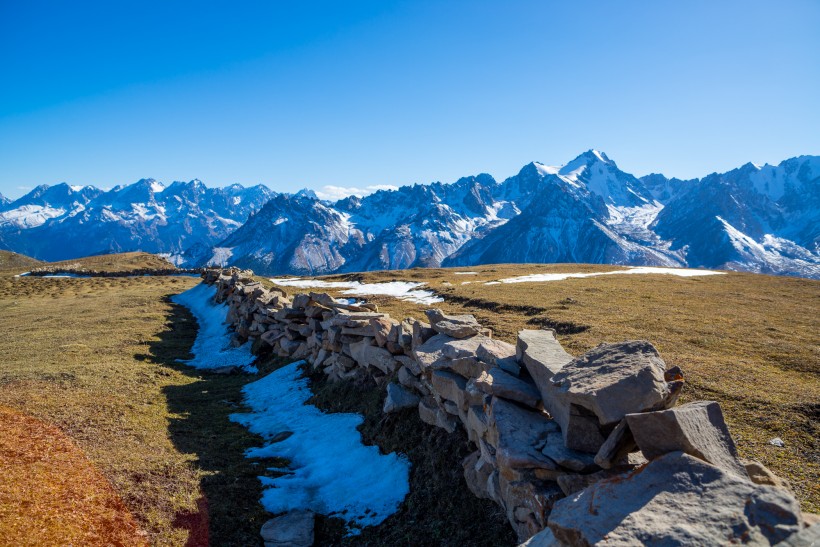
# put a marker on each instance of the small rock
(294, 529)
(430, 413)
(760, 474)
(502, 384)
(778, 442)
(476, 473)
(457, 326)
(573, 460)
(450, 386)
(398, 398)
(226, 370)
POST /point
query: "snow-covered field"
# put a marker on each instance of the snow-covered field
(680, 272)
(404, 290)
(331, 472)
(212, 348)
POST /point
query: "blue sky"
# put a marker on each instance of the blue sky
(309, 94)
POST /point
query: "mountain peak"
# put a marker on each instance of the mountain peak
(306, 193)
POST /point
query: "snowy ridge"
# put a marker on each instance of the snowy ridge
(754, 218)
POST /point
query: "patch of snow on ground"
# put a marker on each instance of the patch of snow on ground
(331, 472)
(404, 290)
(212, 347)
(465, 273)
(681, 272)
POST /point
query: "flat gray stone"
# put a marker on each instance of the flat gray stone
(544, 538)
(503, 384)
(431, 351)
(567, 458)
(697, 429)
(518, 434)
(614, 380)
(542, 355)
(294, 529)
(617, 446)
(373, 356)
(430, 413)
(676, 499)
(469, 367)
(398, 398)
(457, 326)
(491, 350)
(476, 473)
(450, 386)
(807, 537)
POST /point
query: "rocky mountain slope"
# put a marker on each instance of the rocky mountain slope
(761, 219)
(61, 221)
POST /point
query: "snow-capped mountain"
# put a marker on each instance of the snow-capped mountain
(762, 219)
(757, 219)
(61, 221)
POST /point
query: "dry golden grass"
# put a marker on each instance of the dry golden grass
(97, 359)
(751, 342)
(16, 261)
(76, 355)
(119, 262)
(50, 494)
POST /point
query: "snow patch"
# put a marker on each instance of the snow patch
(680, 272)
(221, 256)
(212, 347)
(403, 290)
(331, 472)
(465, 273)
(29, 216)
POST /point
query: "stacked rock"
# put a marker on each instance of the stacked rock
(576, 450)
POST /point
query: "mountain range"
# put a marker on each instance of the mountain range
(754, 218)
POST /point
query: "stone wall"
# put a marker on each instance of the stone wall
(576, 450)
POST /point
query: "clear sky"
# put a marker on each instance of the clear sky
(308, 94)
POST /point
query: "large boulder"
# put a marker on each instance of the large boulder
(695, 428)
(457, 326)
(676, 499)
(614, 380)
(592, 393)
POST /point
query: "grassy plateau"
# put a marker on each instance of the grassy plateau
(90, 383)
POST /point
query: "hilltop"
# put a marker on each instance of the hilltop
(96, 357)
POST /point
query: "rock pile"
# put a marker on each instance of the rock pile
(576, 450)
